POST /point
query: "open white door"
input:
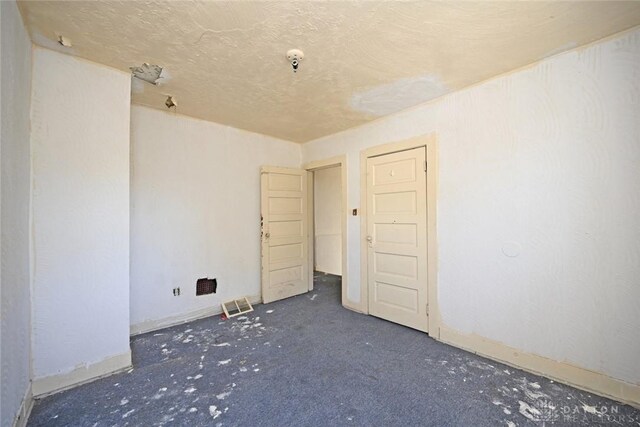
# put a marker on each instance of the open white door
(397, 237)
(284, 233)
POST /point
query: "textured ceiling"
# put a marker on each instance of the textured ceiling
(225, 61)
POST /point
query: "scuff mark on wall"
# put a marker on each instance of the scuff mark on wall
(399, 95)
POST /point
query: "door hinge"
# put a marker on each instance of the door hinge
(425, 165)
(427, 309)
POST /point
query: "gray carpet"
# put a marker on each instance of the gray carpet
(307, 361)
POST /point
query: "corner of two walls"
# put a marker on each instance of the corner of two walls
(195, 194)
(182, 194)
(537, 212)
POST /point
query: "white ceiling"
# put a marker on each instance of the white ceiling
(225, 61)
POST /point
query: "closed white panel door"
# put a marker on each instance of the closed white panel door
(397, 237)
(284, 233)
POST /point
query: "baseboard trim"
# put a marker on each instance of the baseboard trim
(48, 385)
(22, 416)
(591, 381)
(167, 322)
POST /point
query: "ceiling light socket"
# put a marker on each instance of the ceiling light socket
(295, 56)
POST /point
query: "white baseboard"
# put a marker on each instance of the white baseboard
(22, 416)
(84, 374)
(591, 381)
(154, 325)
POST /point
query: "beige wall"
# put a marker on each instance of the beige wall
(327, 205)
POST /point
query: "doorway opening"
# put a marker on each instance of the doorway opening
(327, 221)
(327, 227)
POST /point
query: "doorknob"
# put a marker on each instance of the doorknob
(369, 239)
(267, 235)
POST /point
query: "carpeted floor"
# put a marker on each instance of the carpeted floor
(307, 361)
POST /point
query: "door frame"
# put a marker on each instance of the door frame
(430, 143)
(311, 167)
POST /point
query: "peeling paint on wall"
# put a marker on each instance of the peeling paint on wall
(171, 102)
(164, 78)
(64, 41)
(150, 73)
(399, 95)
(52, 43)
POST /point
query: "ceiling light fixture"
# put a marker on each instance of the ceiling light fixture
(295, 56)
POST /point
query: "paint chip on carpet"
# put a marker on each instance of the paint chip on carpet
(213, 410)
(224, 395)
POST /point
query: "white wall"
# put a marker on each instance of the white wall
(327, 205)
(195, 213)
(80, 203)
(545, 159)
(15, 333)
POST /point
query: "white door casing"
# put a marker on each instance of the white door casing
(284, 232)
(397, 237)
